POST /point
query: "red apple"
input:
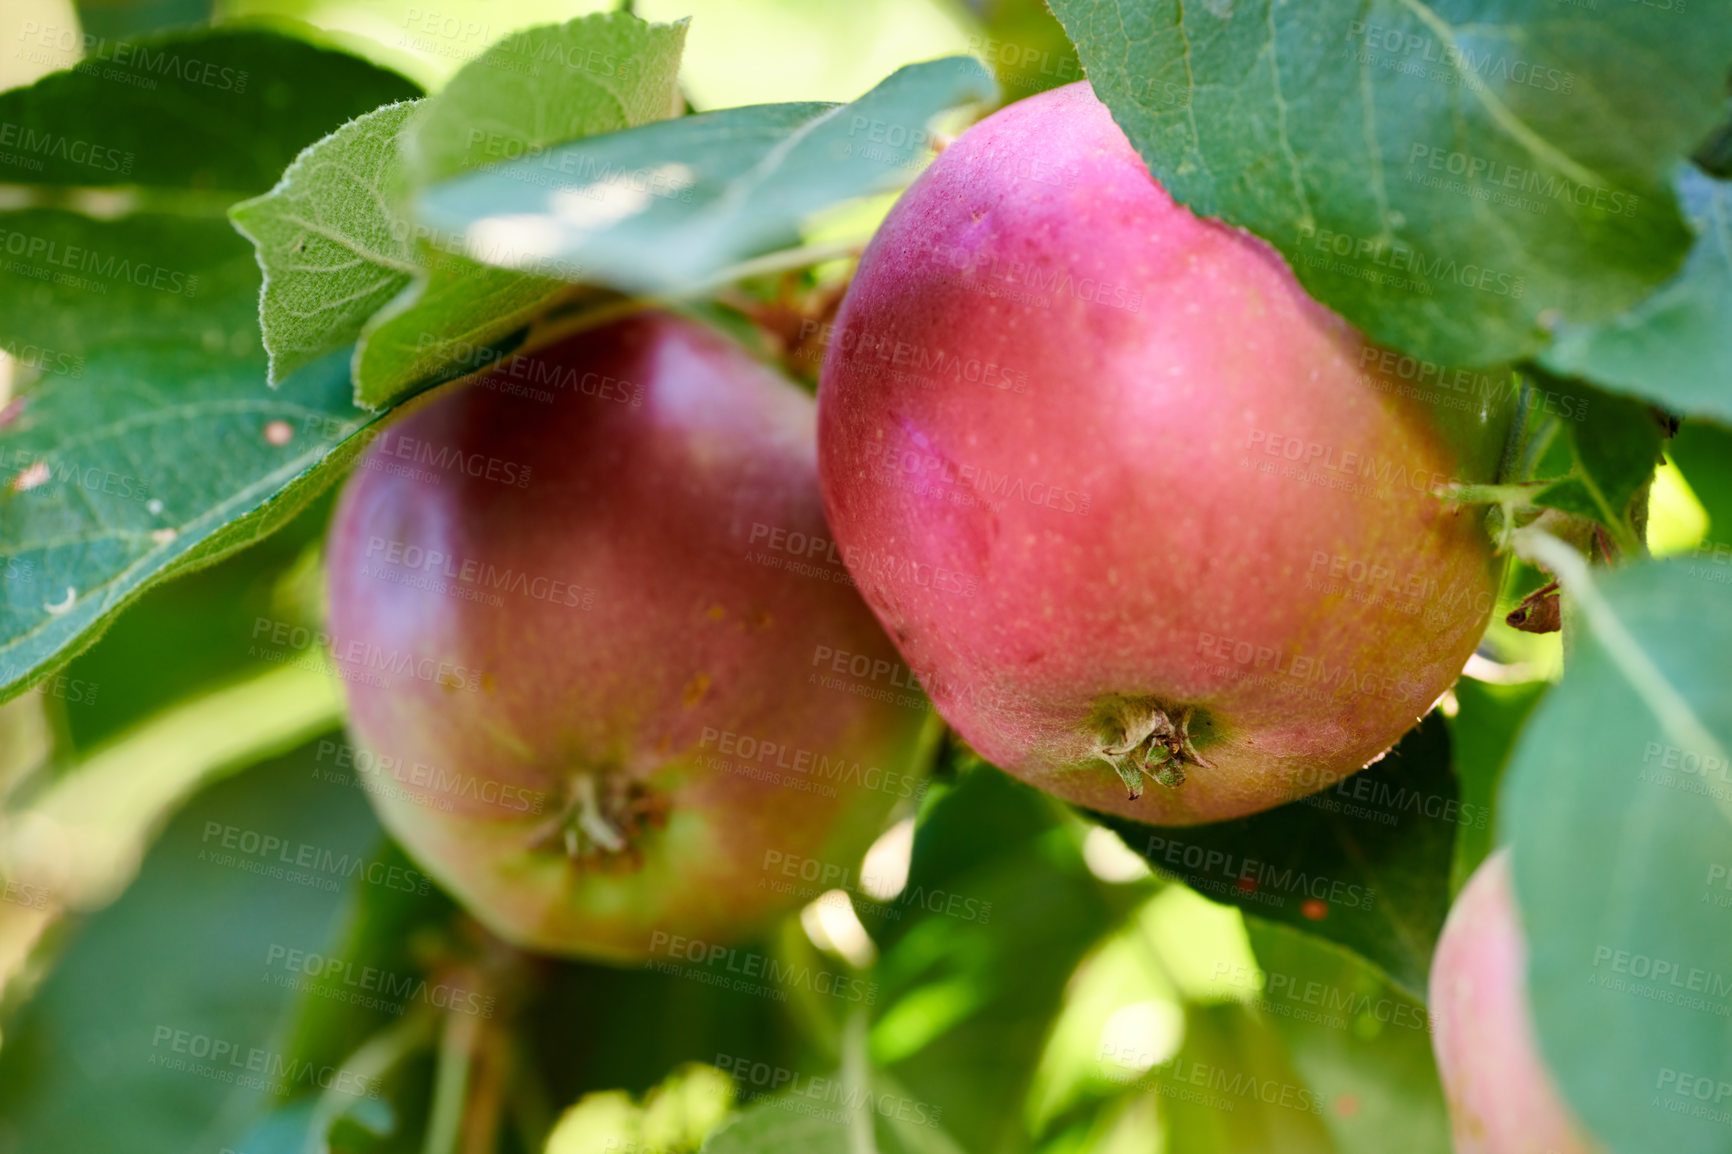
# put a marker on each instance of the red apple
(1133, 506)
(588, 646)
(1501, 1098)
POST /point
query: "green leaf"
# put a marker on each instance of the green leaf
(216, 113)
(666, 207)
(331, 250)
(141, 469)
(1483, 732)
(159, 1028)
(456, 318)
(108, 806)
(533, 90)
(1616, 442)
(1026, 47)
(1674, 347)
(1617, 810)
(547, 85)
(1364, 863)
(1361, 1046)
(1216, 1091)
(140, 16)
(1446, 175)
(1703, 453)
(149, 444)
(772, 1127)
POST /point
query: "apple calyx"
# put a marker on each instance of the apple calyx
(603, 818)
(1141, 738)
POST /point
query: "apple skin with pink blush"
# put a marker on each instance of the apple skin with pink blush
(1501, 1098)
(1155, 530)
(588, 667)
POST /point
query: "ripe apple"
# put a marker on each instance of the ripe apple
(589, 629)
(1501, 1099)
(1133, 506)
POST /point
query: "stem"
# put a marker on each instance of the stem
(451, 1083)
(856, 1085)
(377, 1056)
(590, 819)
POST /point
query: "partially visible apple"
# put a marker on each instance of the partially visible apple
(1501, 1098)
(590, 646)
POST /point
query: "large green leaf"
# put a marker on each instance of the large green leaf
(1619, 811)
(149, 444)
(668, 206)
(1364, 862)
(215, 115)
(144, 467)
(160, 1028)
(1449, 175)
(1674, 347)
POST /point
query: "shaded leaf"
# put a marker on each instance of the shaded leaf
(1442, 174)
(1618, 809)
(1675, 346)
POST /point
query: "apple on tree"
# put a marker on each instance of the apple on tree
(1155, 530)
(600, 710)
(1501, 1098)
